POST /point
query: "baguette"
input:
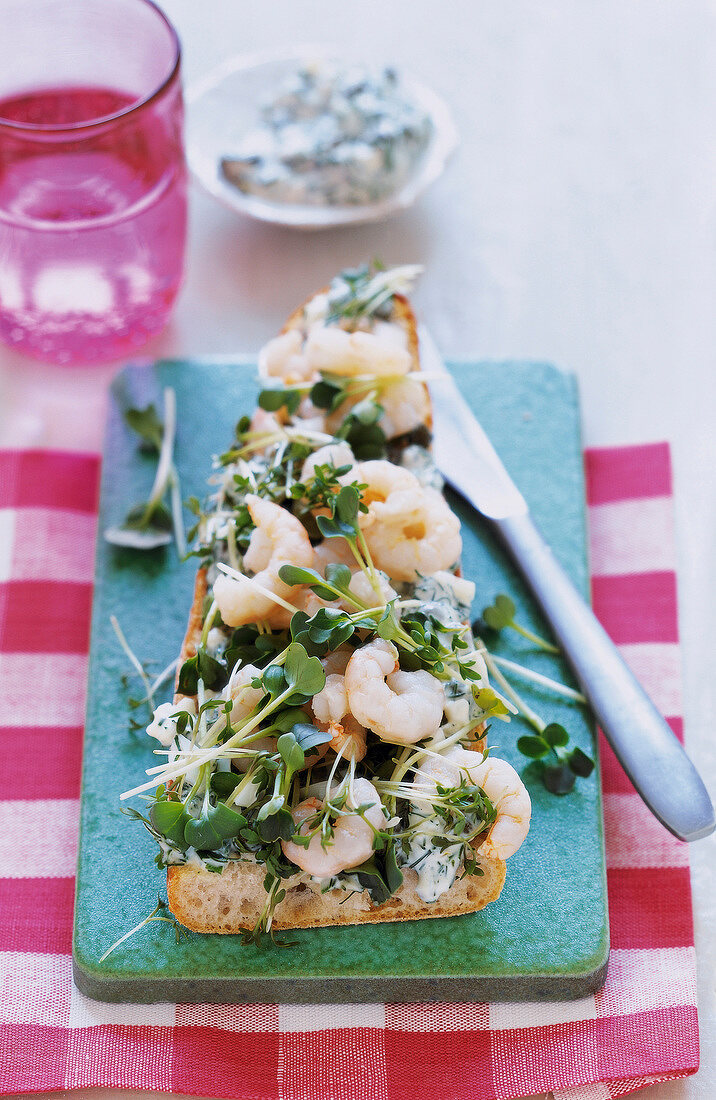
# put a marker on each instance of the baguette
(233, 900)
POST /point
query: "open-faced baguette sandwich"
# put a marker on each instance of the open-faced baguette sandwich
(327, 761)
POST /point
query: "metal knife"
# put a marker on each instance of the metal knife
(645, 746)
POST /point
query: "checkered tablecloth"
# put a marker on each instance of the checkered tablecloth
(641, 1028)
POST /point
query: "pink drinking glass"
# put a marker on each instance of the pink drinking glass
(92, 176)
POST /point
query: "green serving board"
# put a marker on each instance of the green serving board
(547, 935)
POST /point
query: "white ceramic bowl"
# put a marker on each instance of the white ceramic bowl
(223, 105)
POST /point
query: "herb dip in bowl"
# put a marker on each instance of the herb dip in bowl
(304, 139)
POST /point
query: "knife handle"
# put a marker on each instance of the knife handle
(645, 746)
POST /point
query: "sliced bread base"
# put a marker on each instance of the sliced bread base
(232, 901)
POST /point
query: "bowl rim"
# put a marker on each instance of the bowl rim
(443, 142)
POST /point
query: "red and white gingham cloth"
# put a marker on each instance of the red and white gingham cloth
(641, 1028)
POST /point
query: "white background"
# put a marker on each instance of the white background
(575, 224)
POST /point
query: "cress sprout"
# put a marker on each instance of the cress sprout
(153, 522)
(501, 614)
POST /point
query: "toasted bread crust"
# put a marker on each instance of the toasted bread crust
(232, 901)
(194, 626)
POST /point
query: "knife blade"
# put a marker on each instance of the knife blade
(647, 749)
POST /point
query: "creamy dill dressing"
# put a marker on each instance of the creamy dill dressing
(420, 462)
(436, 867)
(331, 136)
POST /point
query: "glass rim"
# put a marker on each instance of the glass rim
(103, 120)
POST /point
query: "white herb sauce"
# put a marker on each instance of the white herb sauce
(331, 136)
(420, 462)
(436, 868)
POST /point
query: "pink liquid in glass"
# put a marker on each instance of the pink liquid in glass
(92, 226)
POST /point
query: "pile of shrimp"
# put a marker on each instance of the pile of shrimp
(405, 532)
(409, 532)
(380, 356)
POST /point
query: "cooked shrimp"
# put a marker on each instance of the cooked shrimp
(337, 660)
(349, 738)
(334, 420)
(263, 421)
(401, 707)
(279, 539)
(363, 590)
(337, 454)
(331, 711)
(239, 689)
(334, 350)
(310, 418)
(311, 603)
(391, 492)
(389, 332)
(245, 698)
(424, 539)
(331, 703)
(332, 551)
(498, 780)
(406, 406)
(353, 834)
(282, 358)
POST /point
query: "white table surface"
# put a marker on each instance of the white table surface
(576, 224)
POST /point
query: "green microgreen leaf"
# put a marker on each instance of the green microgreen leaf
(286, 720)
(294, 574)
(213, 826)
(533, 747)
(273, 681)
(303, 673)
(291, 752)
(558, 778)
(329, 393)
(248, 646)
(501, 614)
(324, 632)
(278, 826)
(488, 701)
(309, 737)
(202, 666)
(558, 768)
(365, 437)
(339, 576)
(555, 735)
(169, 818)
(274, 398)
(146, 423)
(347, 504)
(225, 783)
(343, 523)
(581, 764)
(372, 878)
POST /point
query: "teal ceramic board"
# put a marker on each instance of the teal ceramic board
(546, 936)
